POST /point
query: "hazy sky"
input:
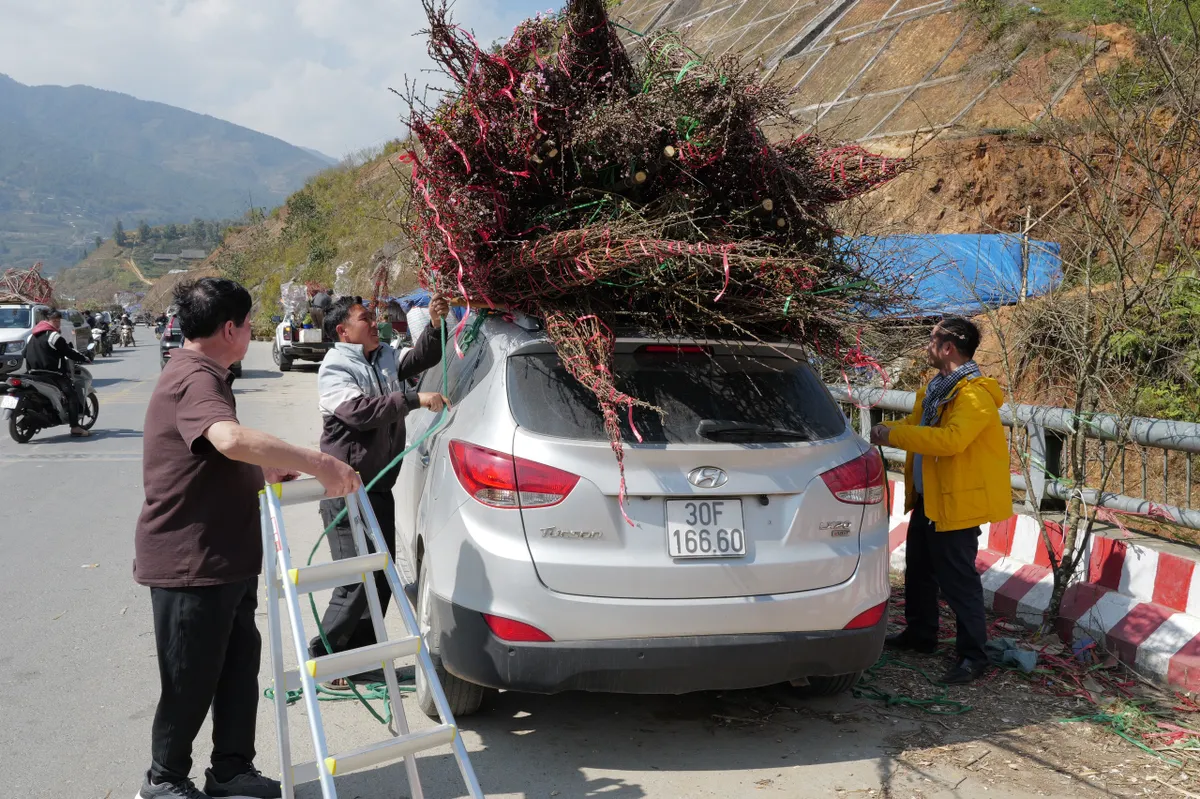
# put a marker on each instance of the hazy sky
(312, 72)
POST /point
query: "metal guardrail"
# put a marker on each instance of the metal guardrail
(1046, 431)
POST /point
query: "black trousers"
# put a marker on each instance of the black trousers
(208, 656)
(347, 620)
(944, 561)
(71, 393)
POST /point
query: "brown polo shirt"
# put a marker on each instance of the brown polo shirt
(200, 523)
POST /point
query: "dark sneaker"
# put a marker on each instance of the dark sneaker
(169, 790)
(907, 643)
(247, 785)
(966, 671)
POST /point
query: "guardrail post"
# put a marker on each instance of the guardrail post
(864, 423)
(1045, 466)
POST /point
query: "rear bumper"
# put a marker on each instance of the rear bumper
(471, 651)
(305, 352)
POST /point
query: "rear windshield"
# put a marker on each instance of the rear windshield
(15, 318)
(706, 398)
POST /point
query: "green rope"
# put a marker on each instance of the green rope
(688, 67)
(369, 692)
(372, 690)
(866, 688)
(686, 134)
(628, 30)
(1119, 724)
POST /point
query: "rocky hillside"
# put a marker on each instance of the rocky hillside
(955, 86)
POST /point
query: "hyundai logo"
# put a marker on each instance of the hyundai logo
(708, 477)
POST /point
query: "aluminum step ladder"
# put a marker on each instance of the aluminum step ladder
(284, 579)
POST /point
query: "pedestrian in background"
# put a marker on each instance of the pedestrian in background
(198, 546)
(956, 478)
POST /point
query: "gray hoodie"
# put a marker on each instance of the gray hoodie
(363, 402)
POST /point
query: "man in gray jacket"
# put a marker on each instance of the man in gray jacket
(363, 405)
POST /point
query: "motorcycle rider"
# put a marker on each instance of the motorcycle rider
(48, 354)
(127, 326)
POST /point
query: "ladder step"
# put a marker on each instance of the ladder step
(354, 661)
(336, 572)
(299, 492)
(374, 754)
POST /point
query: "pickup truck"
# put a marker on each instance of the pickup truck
(294, 342)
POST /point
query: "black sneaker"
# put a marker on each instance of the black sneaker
(249, 784)
(907, 643)
(966, 671)
(169, 790)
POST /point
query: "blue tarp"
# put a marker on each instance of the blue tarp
(419, 298)
(961, 273)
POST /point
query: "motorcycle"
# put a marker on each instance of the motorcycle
(30, 403)
(127, 336)
(101, 343)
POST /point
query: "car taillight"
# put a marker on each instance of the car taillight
(15, 382)
(503, 481)
(287, 334)
(859, 482)
(868, 618)
(509, 630)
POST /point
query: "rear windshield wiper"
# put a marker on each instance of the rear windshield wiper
(718, 429)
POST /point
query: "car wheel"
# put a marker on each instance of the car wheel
(464, 698)
(831, 686)
(91, 413)
(275, 352)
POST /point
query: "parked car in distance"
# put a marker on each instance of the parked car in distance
(172, 339)
(16, 325)
(17, 321)
(294, 342)
(751, 548)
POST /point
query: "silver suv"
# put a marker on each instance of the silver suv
(755, 550)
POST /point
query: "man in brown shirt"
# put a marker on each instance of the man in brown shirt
(198, 546)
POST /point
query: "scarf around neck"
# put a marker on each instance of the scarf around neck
(939, 390)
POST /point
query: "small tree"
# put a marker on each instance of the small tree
(144, 232)
(119, 234)
(98, 241)
(171, 231)
(1120, 332)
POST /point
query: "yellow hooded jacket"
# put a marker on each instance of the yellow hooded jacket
(965, 473)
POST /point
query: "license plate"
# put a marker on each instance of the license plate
(8, 402)
(705, 528)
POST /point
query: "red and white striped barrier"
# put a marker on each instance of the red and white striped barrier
(1142, 603)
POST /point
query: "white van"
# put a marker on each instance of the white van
(16, 325)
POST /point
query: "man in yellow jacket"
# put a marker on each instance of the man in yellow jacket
(956, 478)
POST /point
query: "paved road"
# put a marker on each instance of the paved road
(78, 675)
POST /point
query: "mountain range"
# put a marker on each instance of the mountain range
(75, 159)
